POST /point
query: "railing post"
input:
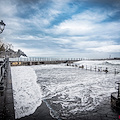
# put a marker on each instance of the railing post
(86, 67)
(95, 68)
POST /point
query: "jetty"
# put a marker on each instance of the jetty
(39, 61)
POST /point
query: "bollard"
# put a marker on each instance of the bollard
(86, 67)
(95, 68)
(82, 66)
(115, 71)
(90, 68)
(98, 69)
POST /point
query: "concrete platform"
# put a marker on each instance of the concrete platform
(6, 101)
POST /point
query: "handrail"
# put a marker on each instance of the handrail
(3, 68)
(39, 59)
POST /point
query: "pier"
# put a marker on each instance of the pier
(94, 68)
(39, 61)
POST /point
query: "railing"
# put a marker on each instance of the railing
(43, 59)
(98, 68)
(3, 70)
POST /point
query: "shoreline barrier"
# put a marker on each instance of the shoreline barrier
(38, 61)
(94, 68)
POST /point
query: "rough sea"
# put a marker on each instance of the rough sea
(70, 90)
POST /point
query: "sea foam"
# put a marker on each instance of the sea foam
(27, 93)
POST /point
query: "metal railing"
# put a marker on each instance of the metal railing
(3, 71)
(37, 59)
(118, 88)
(104, 69)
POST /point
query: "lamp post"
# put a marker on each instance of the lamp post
(2, 86)
(2, 26)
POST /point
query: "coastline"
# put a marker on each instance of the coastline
(102, 112)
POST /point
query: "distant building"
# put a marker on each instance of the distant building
(11, 53)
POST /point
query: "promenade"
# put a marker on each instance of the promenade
(6, 100)
(102, 112)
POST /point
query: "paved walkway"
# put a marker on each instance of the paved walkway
(102, 112)
(6, 101)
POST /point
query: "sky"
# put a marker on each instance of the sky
(62, 28)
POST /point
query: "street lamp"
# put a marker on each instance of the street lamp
(2, 26)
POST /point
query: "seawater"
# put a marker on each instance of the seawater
(70, 90)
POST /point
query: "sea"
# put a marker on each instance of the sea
(69, 89)
(74, 88)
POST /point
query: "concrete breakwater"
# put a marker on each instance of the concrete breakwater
(20, 63)
(38, 61)
(95, 68)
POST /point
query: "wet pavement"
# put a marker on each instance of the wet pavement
(6, 100)
(103, 112)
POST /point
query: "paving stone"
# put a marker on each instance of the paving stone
(1, 107)
(9, 109)
(9, 117)
(1, 99)
(112, 116)
(1, 116)
(9, 85)
(9, 91)
(9, 99)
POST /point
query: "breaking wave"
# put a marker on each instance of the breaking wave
(69, 91)
(26, 91)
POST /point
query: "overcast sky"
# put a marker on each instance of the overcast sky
(62, 28)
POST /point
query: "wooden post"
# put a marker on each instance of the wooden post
(86, 67)
(90, 68)
(118, 90)
(95, 68)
